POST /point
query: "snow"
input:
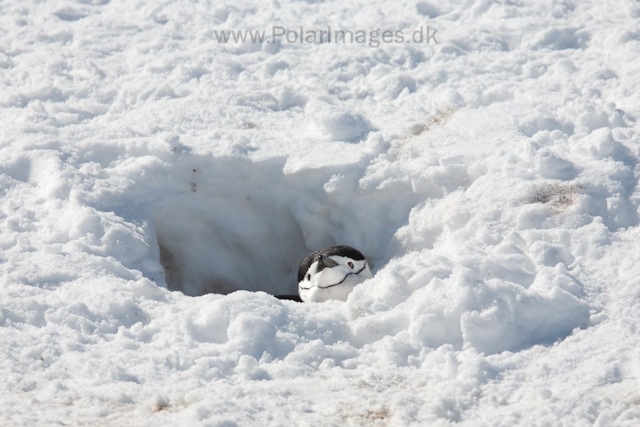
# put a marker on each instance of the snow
(157, 187)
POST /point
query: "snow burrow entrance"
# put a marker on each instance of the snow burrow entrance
(230, 224)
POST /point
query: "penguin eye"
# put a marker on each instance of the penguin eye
(350, 264)
(308, 277)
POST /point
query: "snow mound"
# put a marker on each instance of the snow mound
(223, 224)
(337, 121)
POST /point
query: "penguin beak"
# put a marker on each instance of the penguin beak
(324, 262)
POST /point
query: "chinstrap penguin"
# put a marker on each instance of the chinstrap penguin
(331, 273)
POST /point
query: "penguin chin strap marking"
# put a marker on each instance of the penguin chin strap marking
(336, 284)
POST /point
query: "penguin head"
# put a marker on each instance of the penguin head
(331, 273)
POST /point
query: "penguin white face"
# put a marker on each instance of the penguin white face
(331, 273)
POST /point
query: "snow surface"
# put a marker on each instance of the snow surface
(157, 186)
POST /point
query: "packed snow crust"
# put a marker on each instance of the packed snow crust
(158, 187)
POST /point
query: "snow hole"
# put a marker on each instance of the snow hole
(229, 224)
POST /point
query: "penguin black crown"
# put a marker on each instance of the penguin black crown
(331, 274)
